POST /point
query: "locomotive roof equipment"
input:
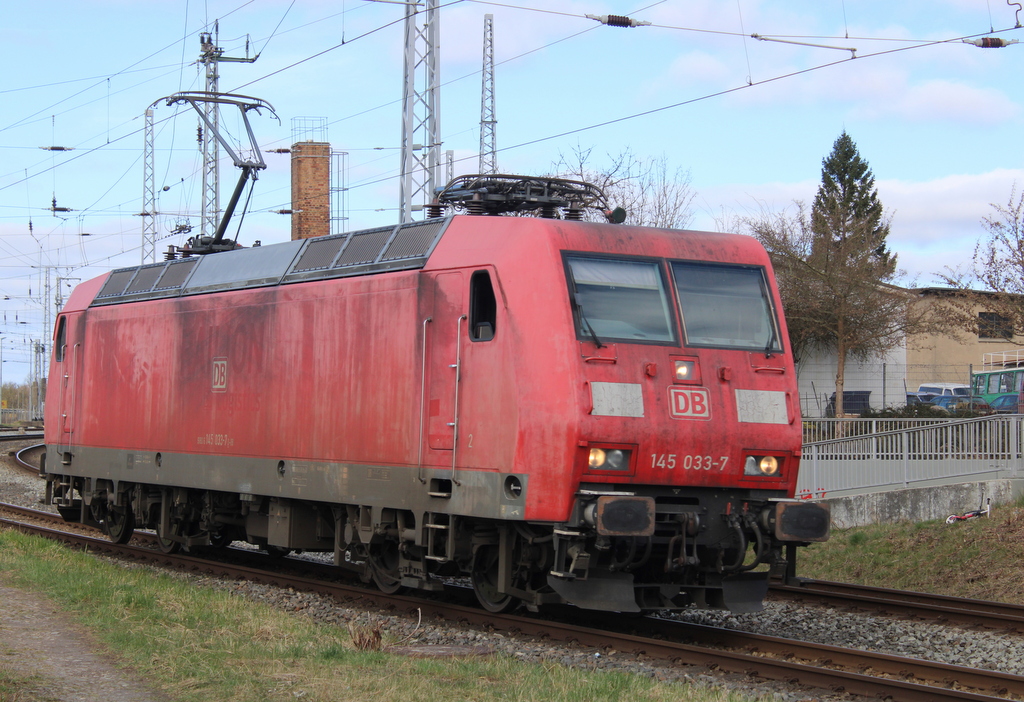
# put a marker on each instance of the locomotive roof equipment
(250, 166)
(496, 194)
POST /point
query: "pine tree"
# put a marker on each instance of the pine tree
(849, 249)
(847, 218)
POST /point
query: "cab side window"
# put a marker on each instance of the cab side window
(61, 340)
(483, 308)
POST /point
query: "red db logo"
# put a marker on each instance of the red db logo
(220, 375)
(689, 403)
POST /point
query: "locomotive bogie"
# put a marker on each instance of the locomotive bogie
(560, 411)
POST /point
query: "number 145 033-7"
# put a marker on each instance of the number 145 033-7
(671, 461)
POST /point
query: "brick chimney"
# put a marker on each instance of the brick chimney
(311, 189)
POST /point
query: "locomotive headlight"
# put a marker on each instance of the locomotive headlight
(761, 465)
(609, 459)
(685, 370)
(617, 459)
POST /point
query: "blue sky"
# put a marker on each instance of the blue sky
(938, 120)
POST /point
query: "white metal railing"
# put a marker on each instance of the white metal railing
(868, 455)
(995, 360)
(817, 430)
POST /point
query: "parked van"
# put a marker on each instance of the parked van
(945, 389)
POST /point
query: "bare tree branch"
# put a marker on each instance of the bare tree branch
(651, 193)
(994, 280)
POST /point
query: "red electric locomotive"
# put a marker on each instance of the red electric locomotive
(564, 411)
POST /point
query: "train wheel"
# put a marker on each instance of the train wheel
(120, 525)
(384, 568)
(485, 582)
(219, 540)
(166, 544)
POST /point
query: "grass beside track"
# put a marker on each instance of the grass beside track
(23, 688)
(198, 644)
(979, 559)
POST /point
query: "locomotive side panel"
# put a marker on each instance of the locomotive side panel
(256, 373)
(216, 391)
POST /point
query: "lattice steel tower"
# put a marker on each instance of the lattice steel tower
(210, 56)
(148, 195)
(421, 130)
(488, 119)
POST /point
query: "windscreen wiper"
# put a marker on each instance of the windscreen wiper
(579, 309)
(593, 334)
(771, 342)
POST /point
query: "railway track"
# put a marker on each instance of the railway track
(27, 457)
(31, 433)
(815, 665)
(939, 608)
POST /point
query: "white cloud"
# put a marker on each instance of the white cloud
(943, 100)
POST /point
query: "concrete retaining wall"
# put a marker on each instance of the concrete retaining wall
(920, 504)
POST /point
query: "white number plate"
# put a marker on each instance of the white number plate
(687, 461)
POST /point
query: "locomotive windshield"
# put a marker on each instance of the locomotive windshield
(725, 306)
(620, 300)
(722, 305)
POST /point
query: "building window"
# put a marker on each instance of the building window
(992, 325)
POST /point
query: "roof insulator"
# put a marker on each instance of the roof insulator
(618, 21)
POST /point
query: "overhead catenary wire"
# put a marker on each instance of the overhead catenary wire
(701, 98)
(581, 129)
(485, 2)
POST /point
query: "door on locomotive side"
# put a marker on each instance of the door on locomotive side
(469, 404)
(66, 368)
(446, 325)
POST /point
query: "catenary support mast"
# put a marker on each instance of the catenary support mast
(488, 119)
(211, 55)
(148, 195)
(421, 131)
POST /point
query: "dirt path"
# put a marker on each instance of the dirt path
(37, 640)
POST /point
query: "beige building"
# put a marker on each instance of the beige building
(961, 348)
(921, 359)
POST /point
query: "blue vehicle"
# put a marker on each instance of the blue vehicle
(1006, 404)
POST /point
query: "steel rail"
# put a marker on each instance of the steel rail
(57, 520)
(51, 517)
(751, 660)
(19, 457)
(19, 437)
(941, 608)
